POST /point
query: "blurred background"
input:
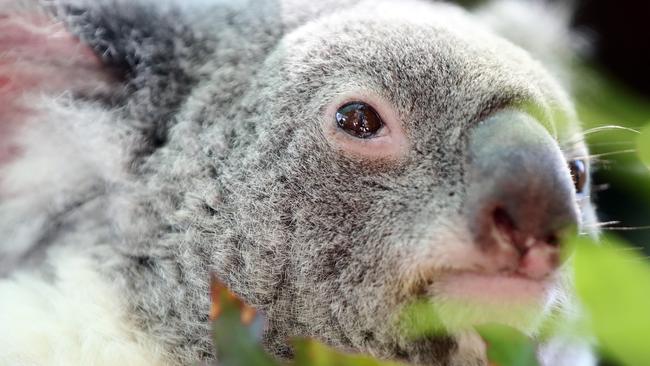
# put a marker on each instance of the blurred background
(616, 90)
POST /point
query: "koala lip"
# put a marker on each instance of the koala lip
(509, 276)
(465, 299)
(493, 288)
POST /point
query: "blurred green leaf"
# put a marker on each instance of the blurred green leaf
(420, 319)
(643, 146)
(602, 101)
(235, 344)
(613, 284)
(507, 346)
(312, 353)
(236, 331)
(236, 328)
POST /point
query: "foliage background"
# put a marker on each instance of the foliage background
(615, 89)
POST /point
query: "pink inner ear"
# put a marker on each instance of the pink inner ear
(39, 56)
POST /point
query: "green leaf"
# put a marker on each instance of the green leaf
(643, 146)
(613, 284)
(420, 319)
(236, 344)
(235, 329)
(603, 101)
(312, 353)
(507, 346)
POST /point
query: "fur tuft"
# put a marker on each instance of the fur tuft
(70, 316)
(543, 28)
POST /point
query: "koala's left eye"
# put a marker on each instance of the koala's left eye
(578, 174)
(359, 119)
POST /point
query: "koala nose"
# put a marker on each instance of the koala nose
(520, 194)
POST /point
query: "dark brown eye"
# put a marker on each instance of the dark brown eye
(578, 174)
(359, 120)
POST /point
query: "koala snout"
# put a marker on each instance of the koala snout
(520, 196)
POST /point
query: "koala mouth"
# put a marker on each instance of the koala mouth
(499, 288)
(511, 280)
(467, 299)
(515, 268)
(515, 275)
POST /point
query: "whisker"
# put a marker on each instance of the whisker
(627, 228)
(600, 187)
(596, 156)
(607, 225)
(602, 164)
(590, 131)
(617, 143)
(603, 224)
(608, 127)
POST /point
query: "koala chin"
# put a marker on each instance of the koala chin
(331, 161)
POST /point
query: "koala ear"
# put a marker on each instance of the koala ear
(137, 55)
(540, 27)
(39, 56)
(149, 44)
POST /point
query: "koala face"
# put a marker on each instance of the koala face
(396, 153)
(333, 163)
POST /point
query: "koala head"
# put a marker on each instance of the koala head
(336, 163)
(387, 153)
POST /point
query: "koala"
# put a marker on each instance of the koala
(331, 162)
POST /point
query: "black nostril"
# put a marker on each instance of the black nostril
(502, 220)
(521, 240)
(552, 240)
(506, 225)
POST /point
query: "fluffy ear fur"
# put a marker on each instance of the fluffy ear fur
(78, 105)
(67, 136)
(543, 28)
(42, 65)
(86, 89)
(150, 46)
(38, 55)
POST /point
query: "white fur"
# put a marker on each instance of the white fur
(540, 27)
(71, 318)
(64, 148)
(566, 352)
(471, 347)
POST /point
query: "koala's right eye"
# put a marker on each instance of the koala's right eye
(364, 125)
(578, 174)
(359, 120)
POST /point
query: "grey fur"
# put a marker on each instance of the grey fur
(226, 168)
